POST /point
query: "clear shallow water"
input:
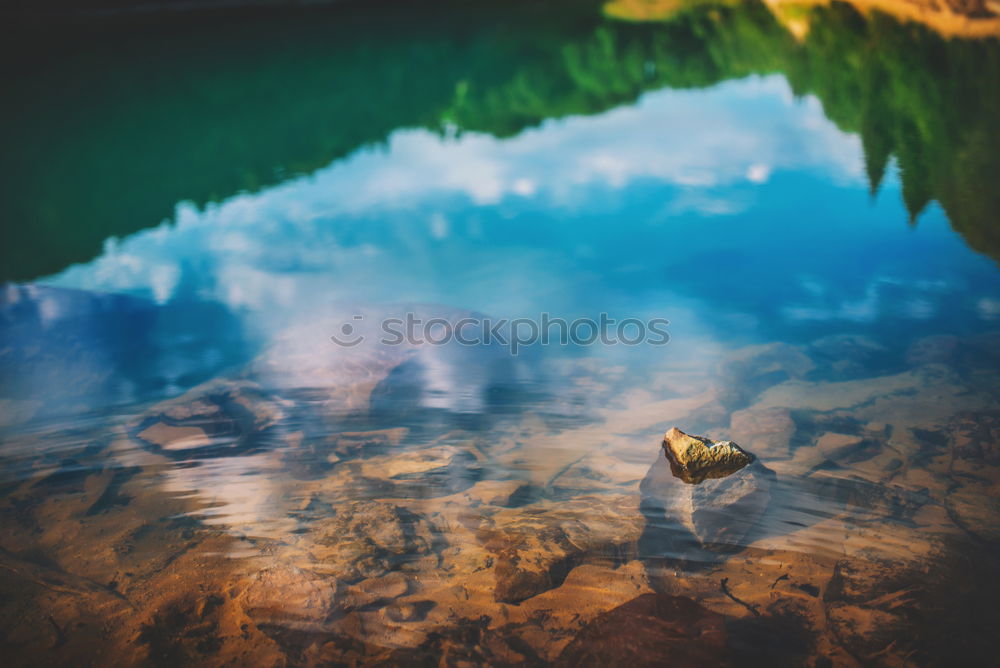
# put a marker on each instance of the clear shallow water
(194, 468)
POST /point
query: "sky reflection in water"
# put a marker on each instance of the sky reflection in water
(738, 211)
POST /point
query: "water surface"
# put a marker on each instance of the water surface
(194, 472)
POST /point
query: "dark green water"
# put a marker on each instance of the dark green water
(199, 110)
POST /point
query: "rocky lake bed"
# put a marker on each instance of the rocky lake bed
(234, 523)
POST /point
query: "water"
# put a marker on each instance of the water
(195, 472)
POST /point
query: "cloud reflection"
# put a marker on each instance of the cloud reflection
(625, 212)
(264, 250)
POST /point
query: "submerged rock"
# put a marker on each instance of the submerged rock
(368, 539)
(220, 418)
(536, 546)
(651, 630)
(280, 593)
(376, 590)
(717, 493)
(694, 458)
(528, 563)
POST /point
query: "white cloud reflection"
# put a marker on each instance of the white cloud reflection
(269, 249)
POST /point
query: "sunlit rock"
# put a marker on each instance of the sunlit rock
(693, 458)
(717, 494)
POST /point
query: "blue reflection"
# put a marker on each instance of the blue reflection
(739, 213)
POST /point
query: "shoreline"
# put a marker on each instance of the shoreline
(980, 19)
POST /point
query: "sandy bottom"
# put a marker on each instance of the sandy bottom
(223, 527)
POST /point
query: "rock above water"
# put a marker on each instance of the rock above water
(694, 458)
(717, 498)
(651, 630)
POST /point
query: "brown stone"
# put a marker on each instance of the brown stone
(694, 458)
(281, 592)
(528, 563)
(718, 512)
(651, 630)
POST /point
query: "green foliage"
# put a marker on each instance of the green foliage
(114, 125)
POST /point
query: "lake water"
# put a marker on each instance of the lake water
(212, 453)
